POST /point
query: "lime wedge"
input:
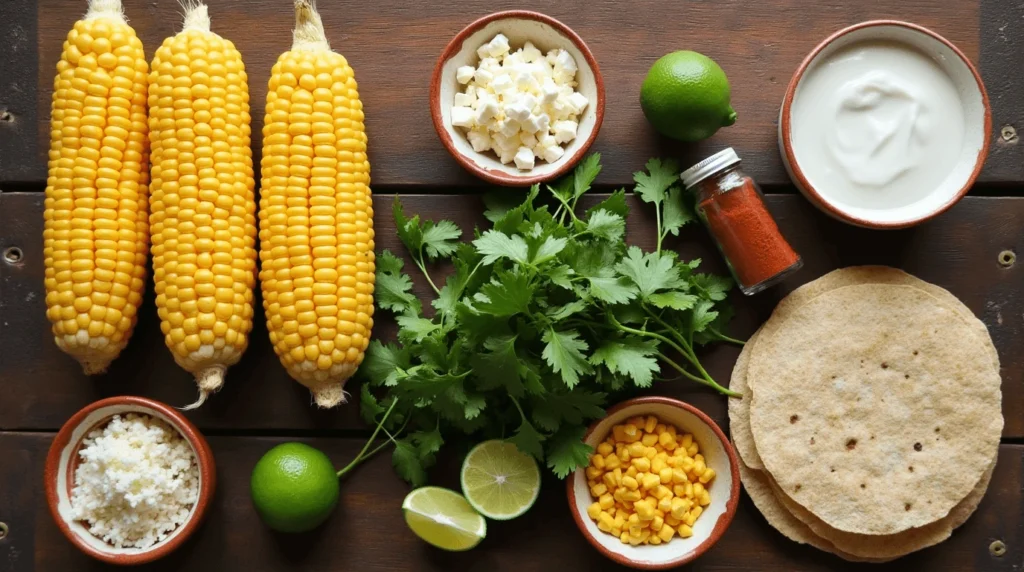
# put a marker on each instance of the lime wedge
(443, 518)
(499, 480)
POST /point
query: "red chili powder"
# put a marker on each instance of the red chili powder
(747, 234)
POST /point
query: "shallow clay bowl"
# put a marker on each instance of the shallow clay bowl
(977, 124)
(724, 489)
(519, 26)
(63, 459)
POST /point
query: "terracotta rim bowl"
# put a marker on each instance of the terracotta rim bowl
(725, 488)
(519, 26)
(974, 98)
(62, 461)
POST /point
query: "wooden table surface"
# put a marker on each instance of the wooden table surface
(392, 45)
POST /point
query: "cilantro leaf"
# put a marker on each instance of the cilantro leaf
(409, 230)
(678, 212)
(573, 407)
(559, 313)
(414, 328)
(650, 272)
(406, 460)
(499, 202)
(585, 173)
(528, 440)
(606, 226)
(651, 186)
(612, 290)
(675, 300)
(566, 451)
(713, 287)
(702, 315)
(549, 249)
(507, 295)
(369, 407)
(561, 276)
(496, 245)
(564, 353)
(629, 357)
(500, 366)
(383, 362)
(615, 204)
(441, 239)
(394, 289)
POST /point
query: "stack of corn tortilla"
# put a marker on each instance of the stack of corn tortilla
(871, 414)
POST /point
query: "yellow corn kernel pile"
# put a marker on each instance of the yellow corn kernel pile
(650, 482)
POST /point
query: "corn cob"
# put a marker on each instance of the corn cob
(203, 207)
(316, 216)
(96, 234)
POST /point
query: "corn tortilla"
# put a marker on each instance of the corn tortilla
(850, 396)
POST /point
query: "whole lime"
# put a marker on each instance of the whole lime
(294, 487)
(686, 96)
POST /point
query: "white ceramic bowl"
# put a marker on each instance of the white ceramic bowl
(519, 26)
(977, 124)
(724, 489)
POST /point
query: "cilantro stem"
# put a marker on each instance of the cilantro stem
(363, 455)
(725, 338)
(657, 216)
(423, 269)
(688, 375)
(515, 402)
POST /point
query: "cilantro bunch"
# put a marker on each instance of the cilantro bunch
(545, 316)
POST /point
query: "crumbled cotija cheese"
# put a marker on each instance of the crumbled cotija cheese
(136, 482)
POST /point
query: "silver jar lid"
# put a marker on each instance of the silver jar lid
(710, 166)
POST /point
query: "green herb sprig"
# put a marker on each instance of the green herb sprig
(546, 314)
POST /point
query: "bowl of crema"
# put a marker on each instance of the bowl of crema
(885, 124)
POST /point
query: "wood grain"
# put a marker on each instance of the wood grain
(367, 532)
(393, 46)
(43, 387)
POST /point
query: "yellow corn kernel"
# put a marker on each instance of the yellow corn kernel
(657, 464)
(686, 441)
(597, 461)
(671, 520)
(659, 512)
(650, 452)
(630, 483)
(606, 501)
(685, 531)
(662, 492)
(635, 530)
(650, 423)
(644, 510)
(624, 537)
(623, 454)
(617, 474)
(689, 490)
(679, 509)
(696, 512)
(649, 439)
(699, 457)
(673, 461)
(666, 533)
(645, 534)
(621, 513)
(631, 496)
(635, 540)
(708, 475)
(642, 464)
(692, 449)
(666, 475)
(679, 490)
(650, 481)
(686, 464)
(677, 476)
(597, 490)
(593, 472)
(665, 504)
(605, 522)
(618, 522)
(689, 518)
(672, 430)
(705, 499)
(657, 522)
(699, 467)
(635, 450)
(659, 428)
(654, 540)
(667, 440)
(631, 432)
(611, 462)
(609, 480)
(594, 510)
(619, 433)
(632, 472)
(698, 490)
(633, 519)
(604, 449)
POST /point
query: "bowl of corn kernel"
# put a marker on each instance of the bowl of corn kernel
(661, 486)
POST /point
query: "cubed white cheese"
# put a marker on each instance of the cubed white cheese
(526, 82)
(506, 155)
(549, 91)
(464, 100)
(483, 77)
(518, 111)
(464, 74)
(502, 83)
(479, 139)
(498, 46)
(527, 140)
(564, 131)
(552, 153)
(524, 158)
(463, 116)
(564, 67)
(513, 59)
(531, 53)
(578, 102)
(486, 108)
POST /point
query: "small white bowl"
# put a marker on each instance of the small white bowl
(519, 26)
(724, 489)
(977, 124)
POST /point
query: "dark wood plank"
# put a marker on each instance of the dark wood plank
(367, 532)
(20, 158)
(393, 45)
(999, 49)
(43, 387)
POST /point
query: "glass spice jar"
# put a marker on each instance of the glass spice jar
(732, 207)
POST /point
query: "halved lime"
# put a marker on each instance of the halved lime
(443, 518)
(499, 480)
